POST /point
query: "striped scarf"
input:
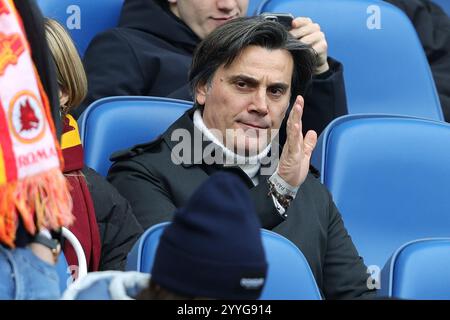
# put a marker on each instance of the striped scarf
(32, 187)
(85, 227)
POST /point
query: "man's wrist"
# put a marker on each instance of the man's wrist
(42, 252)
(46, 247)
(282, 187)
(322, 69)
(282, 193)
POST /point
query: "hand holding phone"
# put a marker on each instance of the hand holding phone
(283, 18)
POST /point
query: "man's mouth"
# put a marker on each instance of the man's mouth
(223, 19)
(257, 126)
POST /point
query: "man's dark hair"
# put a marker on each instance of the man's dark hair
(224, 45)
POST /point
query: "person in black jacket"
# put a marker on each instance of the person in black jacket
(150, 52)
(244, 75)
(104, 224)
(433, 28)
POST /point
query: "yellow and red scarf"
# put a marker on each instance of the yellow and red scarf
(85, 227)
(32, 186)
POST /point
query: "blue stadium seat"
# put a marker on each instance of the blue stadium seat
(419, 270)
(252, 7)
(445, 4)
(141, 257)
(385, 69)
(83, 18)
(289, 275)
(116, 123)
(389, 177)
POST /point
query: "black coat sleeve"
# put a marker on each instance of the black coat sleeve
(267, 213)
(146, 193)
(344, 273)
(433, 28)
(112, 69)
(269, 216)
(118, 227)
(325, 100)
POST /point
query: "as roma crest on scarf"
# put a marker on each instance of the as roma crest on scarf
(26, 117)
(33, 190)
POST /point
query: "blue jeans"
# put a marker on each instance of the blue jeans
(24, 276)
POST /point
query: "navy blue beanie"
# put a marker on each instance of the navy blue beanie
(213, 247)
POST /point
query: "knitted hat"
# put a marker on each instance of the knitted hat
(213, 247)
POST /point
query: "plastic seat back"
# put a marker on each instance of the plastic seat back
(389, 177)
(289, 275)
(116, 123)
(83, 18)
(419, 270)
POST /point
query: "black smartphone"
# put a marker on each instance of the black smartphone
(284, 18)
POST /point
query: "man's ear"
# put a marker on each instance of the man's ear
(200, 93)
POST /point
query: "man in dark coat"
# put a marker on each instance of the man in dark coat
(244, 75)
(150, 52)
(433, 28)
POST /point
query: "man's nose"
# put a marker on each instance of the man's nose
(259, 102)
(226, 5)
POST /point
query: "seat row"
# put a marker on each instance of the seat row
(419, 269)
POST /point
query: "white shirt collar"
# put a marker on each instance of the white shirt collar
(250, 165)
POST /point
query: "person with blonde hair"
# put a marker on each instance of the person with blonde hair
(70, 71)
(105, 224)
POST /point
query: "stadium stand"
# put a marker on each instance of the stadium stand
(419, 269)
(389, 177)
(289, 275)
(116, 123)
(83, 18)
(385, 67)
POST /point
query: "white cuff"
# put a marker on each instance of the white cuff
(282, 187)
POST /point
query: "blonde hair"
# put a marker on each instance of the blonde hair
(71, 75)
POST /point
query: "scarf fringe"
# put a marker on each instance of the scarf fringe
(42, 201)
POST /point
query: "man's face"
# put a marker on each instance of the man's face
(250, 96)
(203, 16)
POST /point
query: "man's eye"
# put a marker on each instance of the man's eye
(276, 91)
(241, 84)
